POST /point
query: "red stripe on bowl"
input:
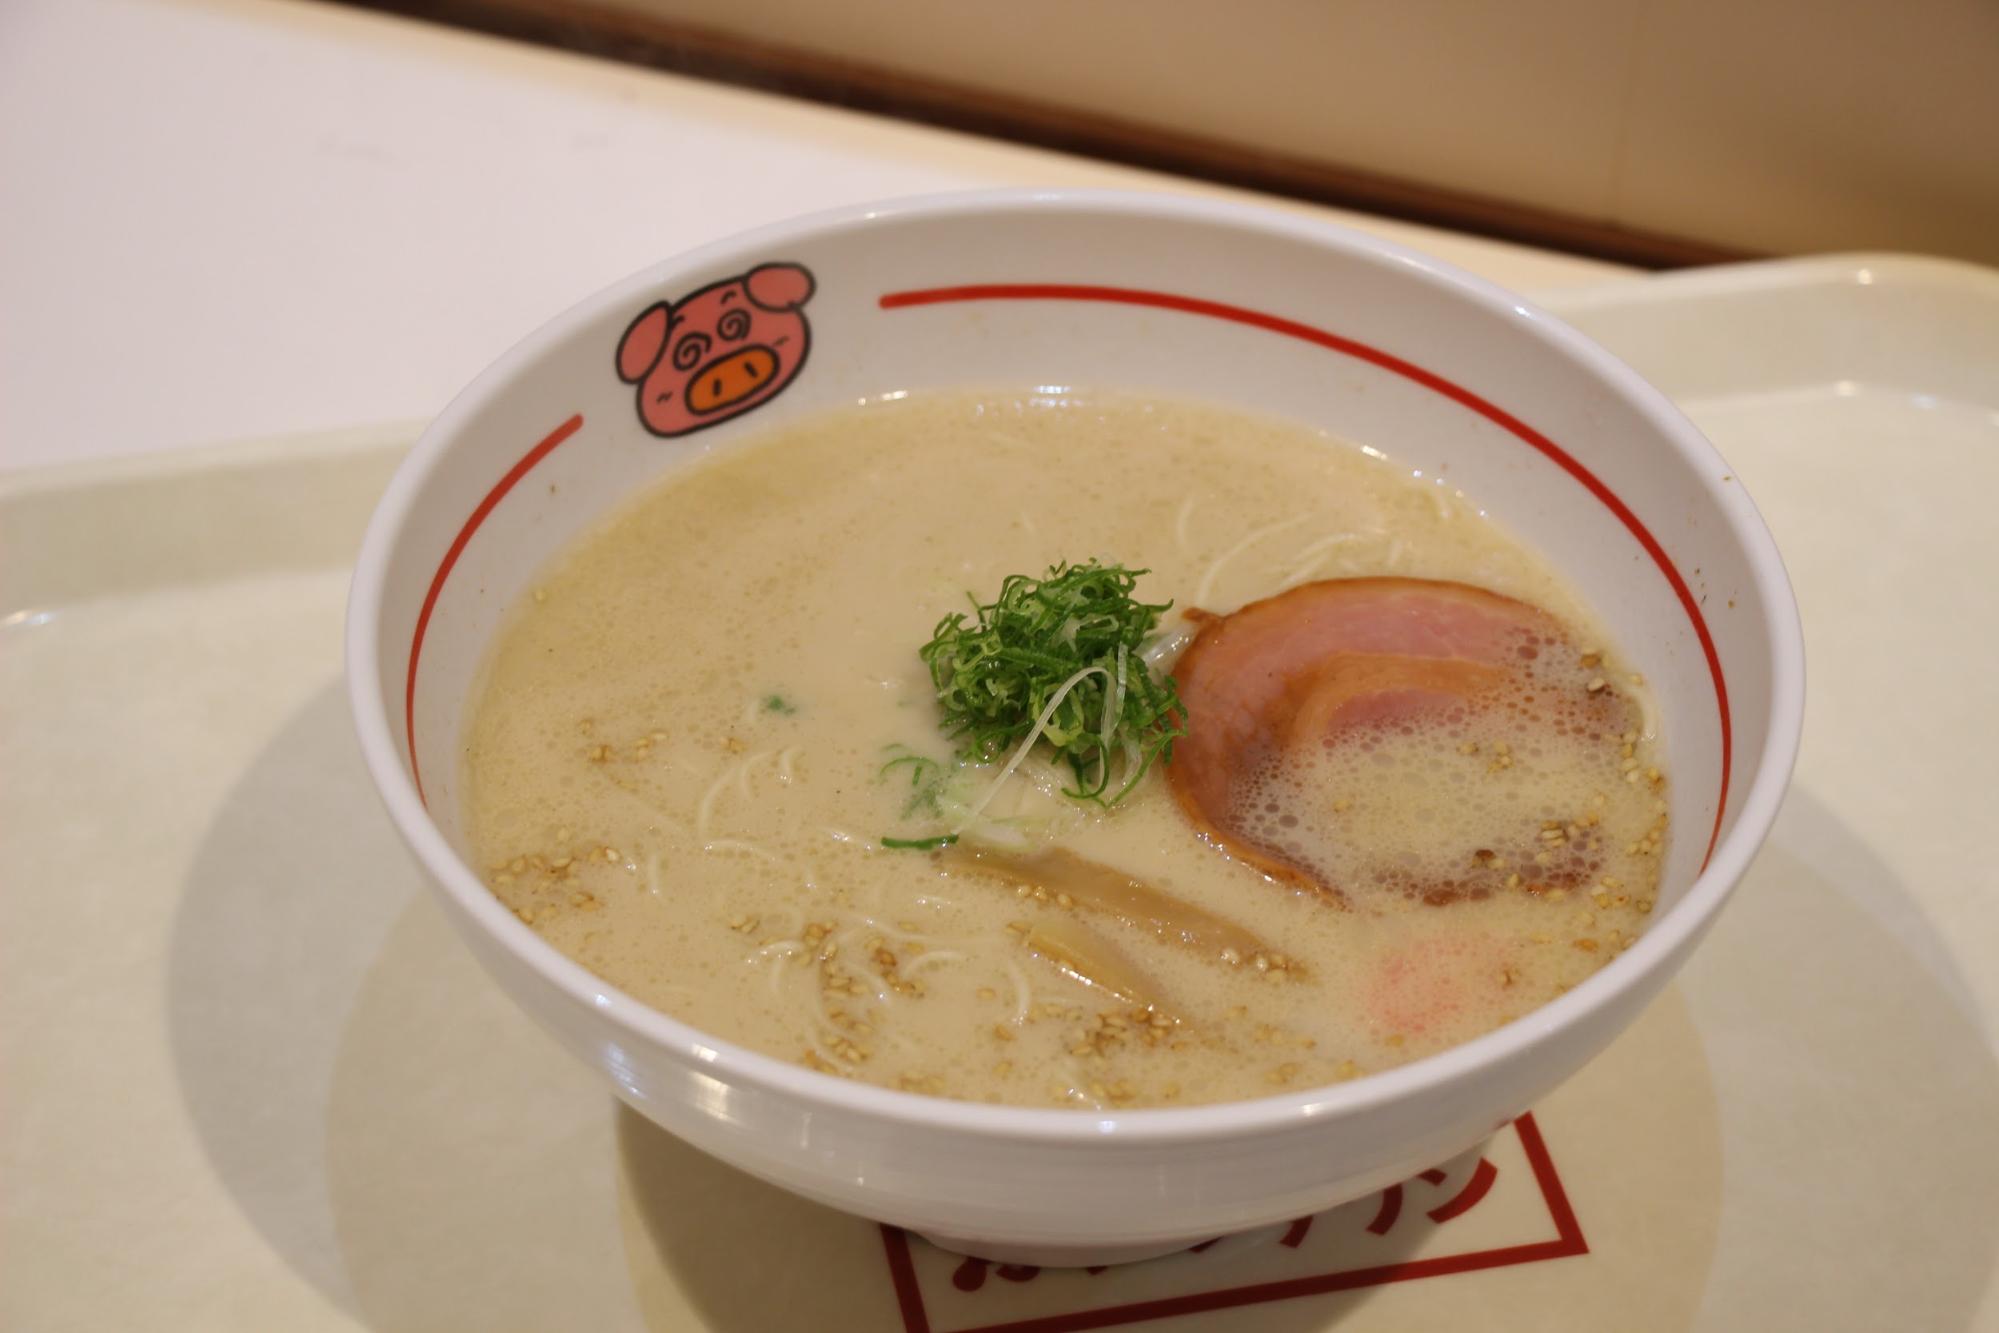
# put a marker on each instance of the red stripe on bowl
(444, 566)
(1409, 370)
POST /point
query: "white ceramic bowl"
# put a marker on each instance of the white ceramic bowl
(1140, 292)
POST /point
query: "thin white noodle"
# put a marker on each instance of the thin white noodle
(1169, 644)
(1328, 543)
(1027, 521)
(832, 1061)
(1648, 716)
(853, 840)
(1023, 997)
(743, 773)
(876, 984)
(704, 813)
(1180, 526)
(1020, 753)
(1043, 778)
(784, 760)
(996, 834)
(1077, 1082)
(652, 875)
(933, 900)
(738, 845)
(1112, 713)
(914, 965)
(629, 794)
(825, 1014)
(777, 949)
(1441, 501)
(1304, 571)
(1205, 589)
(873, 926)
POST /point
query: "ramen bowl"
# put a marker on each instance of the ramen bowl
(1378, 345)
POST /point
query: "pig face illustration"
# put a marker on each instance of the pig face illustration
(718, 352)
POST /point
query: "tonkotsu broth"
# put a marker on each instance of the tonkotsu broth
(673, 763)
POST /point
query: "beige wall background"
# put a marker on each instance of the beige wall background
(1762, 125)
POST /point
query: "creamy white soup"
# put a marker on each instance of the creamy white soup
(1418, 792)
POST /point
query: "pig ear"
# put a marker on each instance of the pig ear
(644, 340)
(779, 286)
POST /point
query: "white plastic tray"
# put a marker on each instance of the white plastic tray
(252, 1082)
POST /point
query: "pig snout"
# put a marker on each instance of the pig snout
(730, 379)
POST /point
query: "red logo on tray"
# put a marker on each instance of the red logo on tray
(1366, 1243)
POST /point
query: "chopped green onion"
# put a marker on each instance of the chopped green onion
(1057, 660)
(921, 844)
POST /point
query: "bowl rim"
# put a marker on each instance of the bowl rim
(734, 1064)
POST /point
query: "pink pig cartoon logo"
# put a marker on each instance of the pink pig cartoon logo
(718, 352)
